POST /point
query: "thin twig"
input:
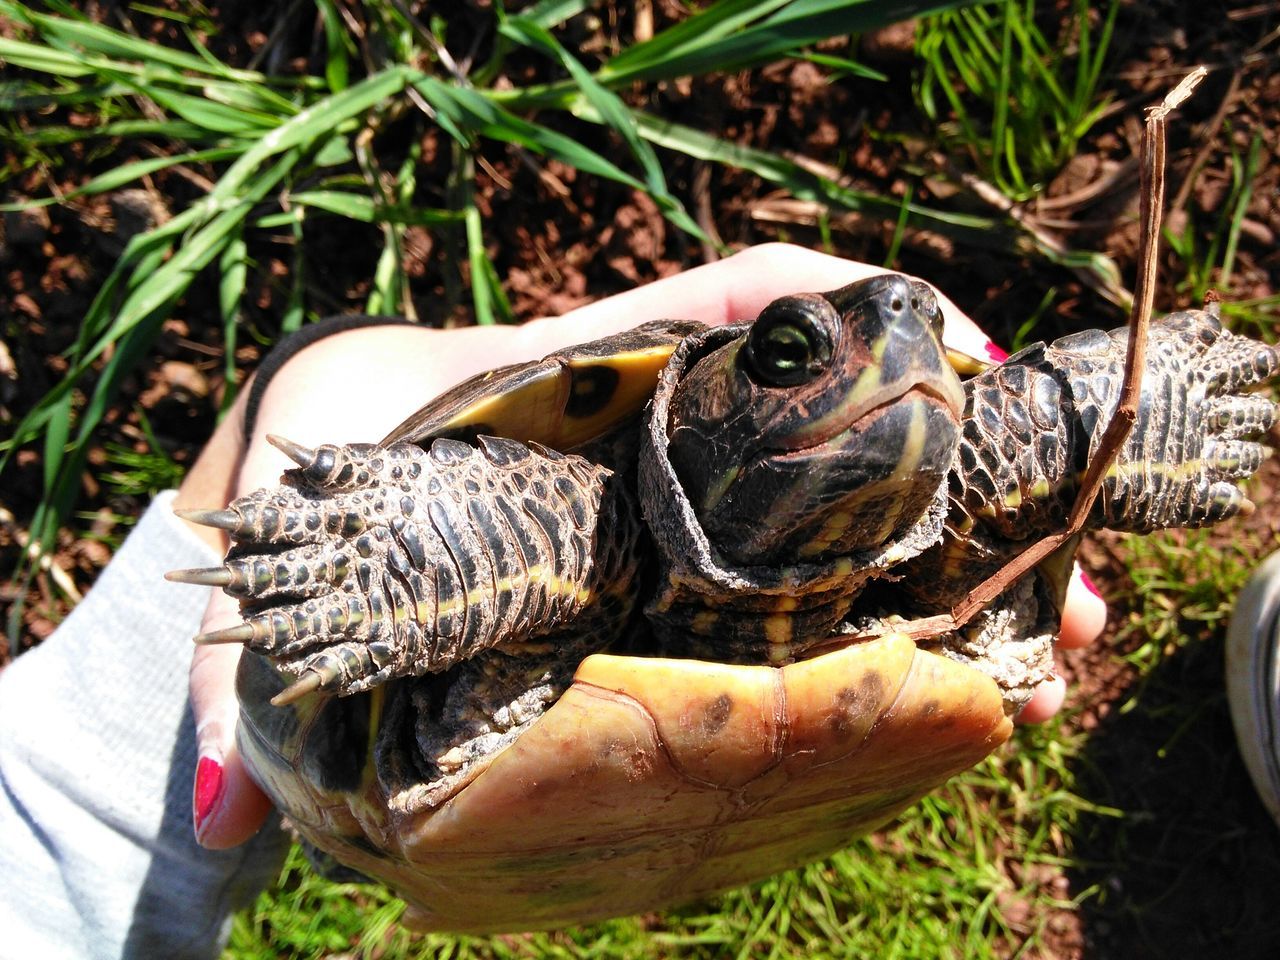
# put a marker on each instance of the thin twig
(181, 169)
(1117, 430)
(1120, 176)
(712, 245)
(1258, 10)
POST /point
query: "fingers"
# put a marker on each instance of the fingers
(227, 806)
(1084, 613)
(1235, 364)
(1045, 701)
(731, 290)
(1237, 416)
(1084, 616)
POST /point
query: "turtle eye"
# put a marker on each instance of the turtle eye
(790, 342)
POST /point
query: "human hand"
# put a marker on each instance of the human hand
(355, 386)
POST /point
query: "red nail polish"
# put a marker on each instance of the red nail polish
(1090, 585)
(208, 788)
(995, 353)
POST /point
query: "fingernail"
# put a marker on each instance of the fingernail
(1090, 585)
(995, 353)
(208, 790)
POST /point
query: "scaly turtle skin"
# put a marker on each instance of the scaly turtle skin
(794, 480)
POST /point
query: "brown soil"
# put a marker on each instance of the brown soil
(559, 239)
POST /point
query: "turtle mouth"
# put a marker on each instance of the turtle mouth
(857, 417)
(868, 398)
(949, 393)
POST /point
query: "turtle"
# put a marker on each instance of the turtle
(623, 627)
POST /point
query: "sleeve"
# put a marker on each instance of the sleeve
(97, 753)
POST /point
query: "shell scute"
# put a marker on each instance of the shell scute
(561, 401)
(719, 727)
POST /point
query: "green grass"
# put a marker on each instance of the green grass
(1206, 246)
(1014, 97)
(1178, 871)
(141, 473)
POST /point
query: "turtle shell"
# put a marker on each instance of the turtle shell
(650, 781)
(561, 401)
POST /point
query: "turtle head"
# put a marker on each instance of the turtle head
(825, 428)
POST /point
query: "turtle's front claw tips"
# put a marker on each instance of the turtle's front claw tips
(240, 633)
(201, 576)
(304, 457)
(221, 519)
(1247, 507)
(308, 684)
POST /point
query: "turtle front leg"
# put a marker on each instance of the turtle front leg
(373, 563)
(1037, 420)
(1032, 424)
(440, 734)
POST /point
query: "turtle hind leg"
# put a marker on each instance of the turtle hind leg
(441, 732)
(328, 866)
(1011, 640)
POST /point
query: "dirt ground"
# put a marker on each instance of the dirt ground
(560, 239)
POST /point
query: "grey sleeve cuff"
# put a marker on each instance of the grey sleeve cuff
(97, 754)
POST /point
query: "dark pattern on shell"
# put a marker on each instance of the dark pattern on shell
(591, 387)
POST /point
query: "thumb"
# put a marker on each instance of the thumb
(227, 806)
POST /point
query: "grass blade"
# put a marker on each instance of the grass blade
(313, 125)
(233, 267)
(96, 39)
(801, 182)
(338, 46)
(607, 104)
(552, 13)
(129, 172)
(777, 36)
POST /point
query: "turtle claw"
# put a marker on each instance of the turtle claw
(240, 633)
(202, 576)
(312, 682)
(304, 457)
(227, 520)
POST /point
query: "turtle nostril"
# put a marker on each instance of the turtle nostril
(895, 304)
